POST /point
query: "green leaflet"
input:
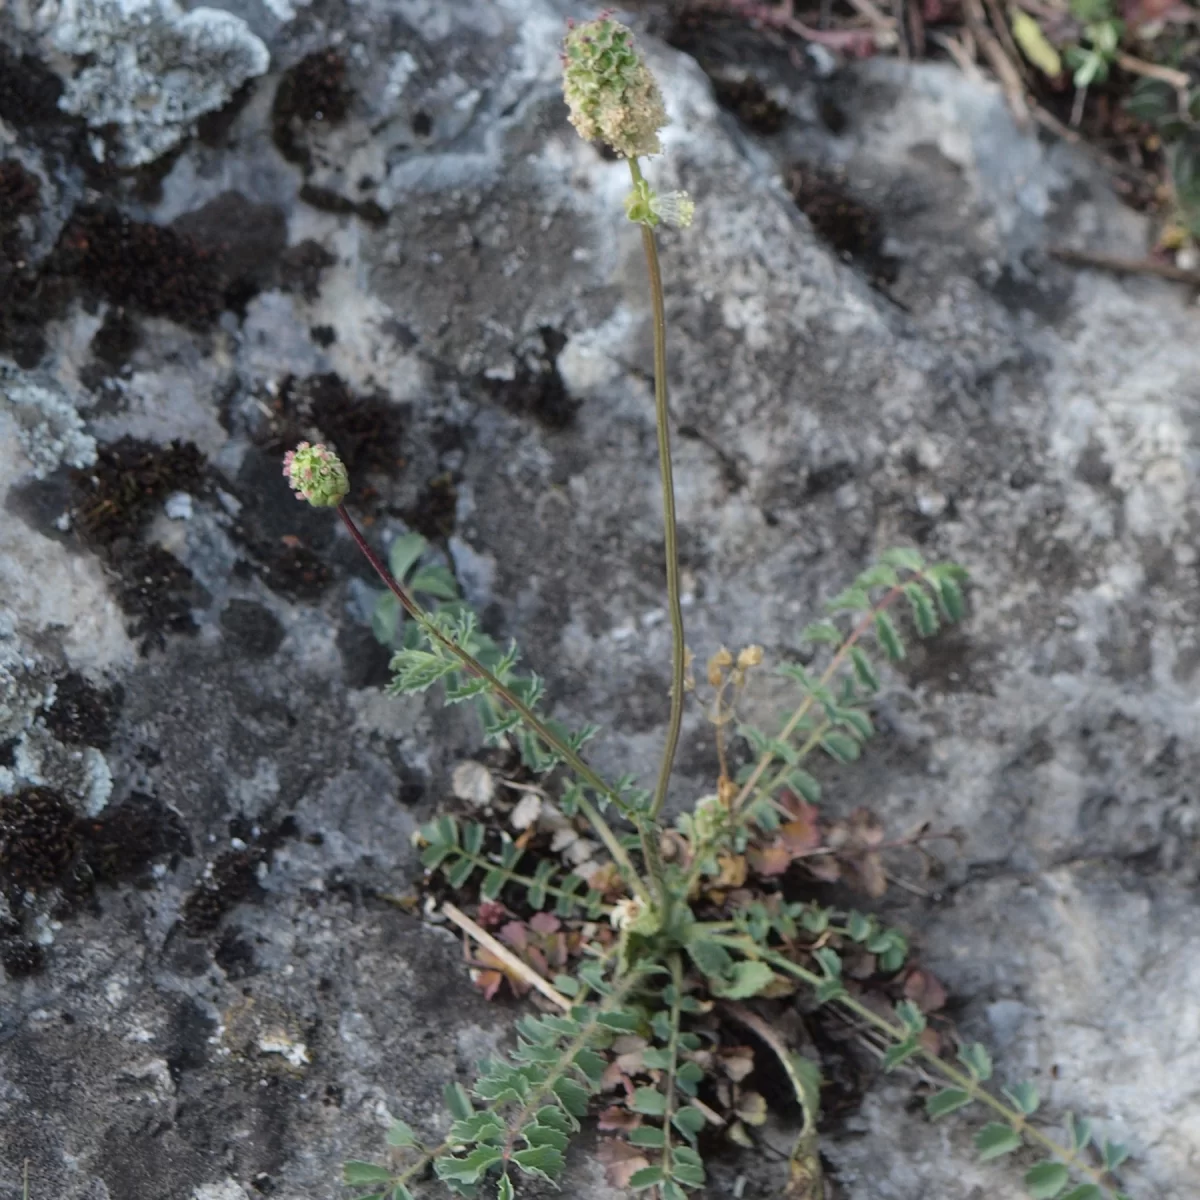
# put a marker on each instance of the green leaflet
(1046, 1180)
(996, 1139)
(948, 1100)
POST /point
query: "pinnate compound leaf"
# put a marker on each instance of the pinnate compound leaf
(458, 1102)
(1079, 1130)
(356, 1172)
(804, 785)
(544, 1135)
(711, 957)
(404, 552)
(822, 631)
(911, 1017)
(460, 872)
(924, 614)
(840, 747)
(900, 1052)
(545, 1162)
(1086, 1191)
(745, 980)
(504, 1188)
(889, 636)
(1024, 1096)
(948, 1100)
(649, 1101)
(478, 1127)
(618, 1019)
(401, 1134)
(1114, 1155)
(864, 672)
(648, 1136)
(1046, 1180)
(950, 598)
(996, 1139)
(689, 1121)
(471, 1168)
(400, 1192)
(977, 1060)
(903, 558)
(435, 581)
(647, 1177)
(672, 1191)
(572, 1096)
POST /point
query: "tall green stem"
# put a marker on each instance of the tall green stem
(662, 425)
(531, 719)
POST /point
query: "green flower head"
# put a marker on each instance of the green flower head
(317, 475)
(609, 89)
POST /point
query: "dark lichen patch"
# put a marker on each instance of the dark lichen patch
(111, 503)
(191, 1032)
(149, 267)
(21, 958)
(38, 837)
(156, 590)
(751, 104)
(232, 878)
(365, 430)
(246, 240)
(126, 839)
(250, 629)
(536, 388)
(20, 192)
(235, 955)
(29, 92)
(300, 268)
(314, 91)
(298, 572)
(30, 295)
(114, 343)
(117, 496)
(83, 714)
(436, 511)
(213, 127)
(848, 226)
(950, 662)
(364, 659)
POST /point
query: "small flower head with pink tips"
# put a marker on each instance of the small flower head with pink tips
(317, 475)
(609, 90)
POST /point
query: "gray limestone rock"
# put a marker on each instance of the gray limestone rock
(238, 1004)
(150, 67)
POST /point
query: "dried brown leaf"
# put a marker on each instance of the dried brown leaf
(925, 990)
(621, 1161)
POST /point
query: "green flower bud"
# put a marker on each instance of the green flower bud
(609, 89)
(317, 475)
(645, 206)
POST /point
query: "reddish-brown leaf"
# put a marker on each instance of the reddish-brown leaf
(925, 990)
(769, 860)
(544, 922)
(488, 982)
(621, 1161)
(617, 1119)
(515, 934)
(491, 914)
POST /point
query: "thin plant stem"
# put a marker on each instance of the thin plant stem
(676, 965)
(960, 1079)
(662, 418)
(532, 720)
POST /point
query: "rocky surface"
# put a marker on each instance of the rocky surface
(394, 240)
